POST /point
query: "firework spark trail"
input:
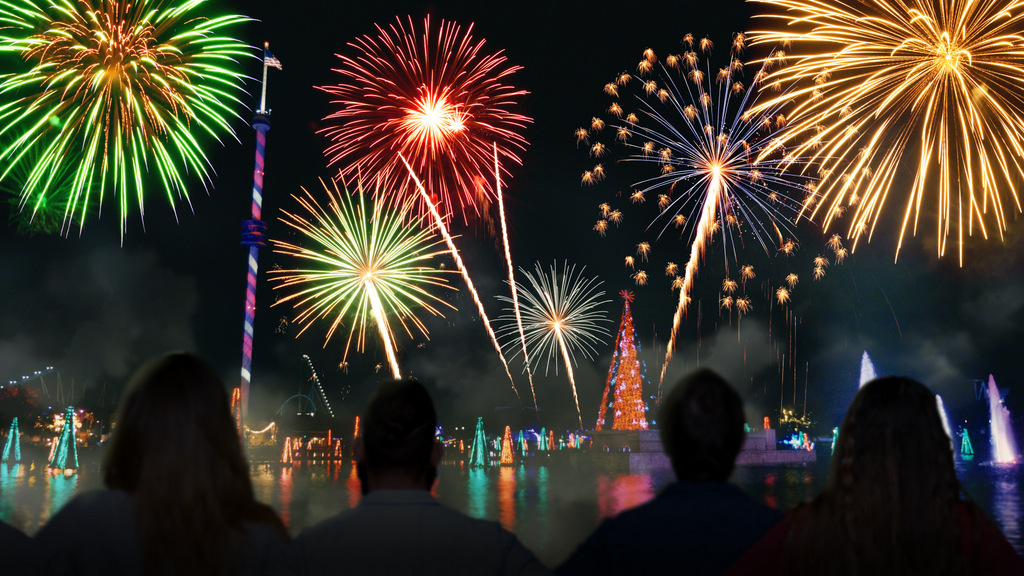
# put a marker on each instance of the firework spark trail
(939, 80)
(114, 94)
(702, 235)
(365, 263)
(384, 329)
(443, 229)
(512, 280)
(569, 374)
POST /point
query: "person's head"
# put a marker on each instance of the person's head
(892, 436)
(174, 426)
(702, 427)
(398, 433)
(890, 501)
(176, 451)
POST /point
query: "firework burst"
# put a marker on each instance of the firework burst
(365, 262)
(434, 96)
(695, 126)
(49, 212)
(118, 91)
(930, 86)
(563, 314)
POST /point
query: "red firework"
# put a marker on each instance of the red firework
(433, 96)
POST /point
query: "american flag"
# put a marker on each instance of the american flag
(270, 60)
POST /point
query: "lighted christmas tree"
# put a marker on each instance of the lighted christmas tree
(542, 440)
(236, 409)
(506, 447)
(966, 449)
(66, 444)
(623, 391)
(478, 452)
(286, 454)
(355, 433)
(13, 439)
(521, 443)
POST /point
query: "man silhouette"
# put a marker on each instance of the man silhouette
(699, 524)
(398, 527)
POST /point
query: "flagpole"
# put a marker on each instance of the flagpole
(263, 91)
(254, 232)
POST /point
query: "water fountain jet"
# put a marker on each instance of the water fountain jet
(867, 369)
(1004, 446)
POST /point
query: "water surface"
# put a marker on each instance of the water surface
(551, 505)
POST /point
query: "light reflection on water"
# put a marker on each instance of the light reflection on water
(1007, 488)
(59, 490)
(618, 493)
(506, 497)
(551, 506)
(29, 494)
(997, 489)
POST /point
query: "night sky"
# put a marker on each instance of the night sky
(96, 309)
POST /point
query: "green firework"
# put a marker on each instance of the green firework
(120, 95)
(361, 253)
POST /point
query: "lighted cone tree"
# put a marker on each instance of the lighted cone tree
(623, 391)
(13, 440)
(66, 446)
(506, 447)
(966, 449)
(236, 408)
(478, 452)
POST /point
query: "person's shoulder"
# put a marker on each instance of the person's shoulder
(709, 500)
(728, 496)
(262, 547)
(482, 526)
(328, 528)
(262, 532)
(99, 503)
(18, 553)
(102, 497)
(983, 544)
(10, 534)
(483, 535)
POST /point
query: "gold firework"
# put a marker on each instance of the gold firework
(643, 250)
(933, 86)
(782, 295)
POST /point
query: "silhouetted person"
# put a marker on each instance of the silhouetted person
(892, 503)
(700, 524)
(398, 527)
(17, 552)
(178, 498)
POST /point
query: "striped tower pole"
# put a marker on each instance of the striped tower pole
(254, 232)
